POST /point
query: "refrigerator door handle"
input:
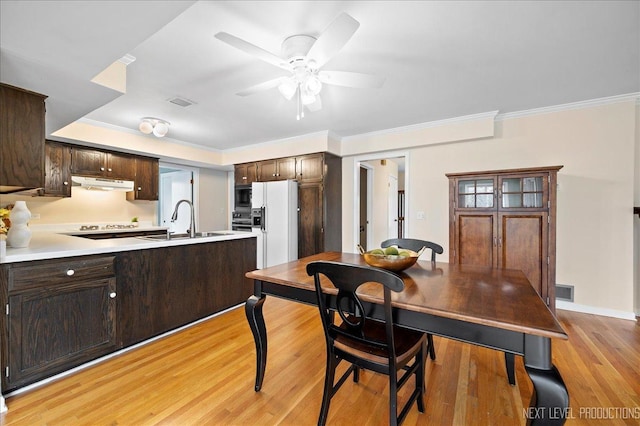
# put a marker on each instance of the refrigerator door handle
(263, 224)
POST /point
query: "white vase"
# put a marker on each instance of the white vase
(19, 234)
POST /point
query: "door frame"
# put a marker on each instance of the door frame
(358, 162)
(195, 188)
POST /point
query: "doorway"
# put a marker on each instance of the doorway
(382, 196)
(176, 183)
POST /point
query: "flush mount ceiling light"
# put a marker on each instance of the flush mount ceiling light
(157, 126)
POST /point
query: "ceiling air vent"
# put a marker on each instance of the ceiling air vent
(181, 102)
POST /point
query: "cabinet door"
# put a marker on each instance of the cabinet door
(245, 174)
(475, 239)
(475, 193)
(267, 170)
(55, 328)
(310, 220)
(146, 180)
(522, 244)
(286, 168)
(121, 166)
(310, 168)
(57, 178)
(523, 192)
(88, 162)
(21, 138)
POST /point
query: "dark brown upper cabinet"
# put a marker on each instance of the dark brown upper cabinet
(57, 174)
(92, 162)
(21, 139)
(146, 180)
(278, 169)
(245, 174)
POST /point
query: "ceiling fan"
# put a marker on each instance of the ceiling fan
(303, 57)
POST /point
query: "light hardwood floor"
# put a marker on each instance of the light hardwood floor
(204, 375)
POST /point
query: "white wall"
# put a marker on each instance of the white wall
(595, 144)
(213, 199)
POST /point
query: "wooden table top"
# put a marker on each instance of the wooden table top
(501, 298)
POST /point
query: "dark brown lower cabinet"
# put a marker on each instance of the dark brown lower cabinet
(162, 289)
(61, 314)
(65, 312)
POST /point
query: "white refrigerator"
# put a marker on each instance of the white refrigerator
(274, 216)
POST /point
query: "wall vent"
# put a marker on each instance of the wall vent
(564, 292)
(181, 101)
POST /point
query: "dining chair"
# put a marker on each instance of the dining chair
(375, 345)
(416, 245)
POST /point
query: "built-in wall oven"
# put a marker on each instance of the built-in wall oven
(241, 220)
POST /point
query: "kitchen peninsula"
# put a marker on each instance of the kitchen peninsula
(70, 300)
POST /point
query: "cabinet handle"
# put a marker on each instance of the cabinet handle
(102, 169)
(70, 272)
(274, 175)
(139, 188)
(109, 169)
(65, 183)
(112, 295)
(495, 241)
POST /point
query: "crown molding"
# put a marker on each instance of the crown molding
(573, 105)
(426, 125)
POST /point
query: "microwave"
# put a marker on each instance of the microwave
(243, 196)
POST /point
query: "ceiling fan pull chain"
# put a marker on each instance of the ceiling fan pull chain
(298, 104)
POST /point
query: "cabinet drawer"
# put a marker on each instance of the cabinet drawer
(61, 271)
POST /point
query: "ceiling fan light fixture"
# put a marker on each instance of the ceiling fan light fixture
(313, 85)
(288, 88)
(307, 98)
(157, 126)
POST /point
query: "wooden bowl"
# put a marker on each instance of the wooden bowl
(391, 262)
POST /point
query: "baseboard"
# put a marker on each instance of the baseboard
(568, 306)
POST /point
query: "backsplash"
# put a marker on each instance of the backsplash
(85, 206)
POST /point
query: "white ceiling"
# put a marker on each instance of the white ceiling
(440, 59)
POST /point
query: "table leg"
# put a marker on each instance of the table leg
(550, 400)
(253, 311)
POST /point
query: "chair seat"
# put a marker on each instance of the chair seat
(407, 343)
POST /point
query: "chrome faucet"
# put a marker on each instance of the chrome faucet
(192, 224)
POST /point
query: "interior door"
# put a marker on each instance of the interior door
(393, 207)
(364, 221)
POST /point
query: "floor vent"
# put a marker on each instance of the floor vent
(564, 292)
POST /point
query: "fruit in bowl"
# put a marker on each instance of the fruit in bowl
(391, 258)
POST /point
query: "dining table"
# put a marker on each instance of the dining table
(495, 308)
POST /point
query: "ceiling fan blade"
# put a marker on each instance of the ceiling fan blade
(333, 39)
(351, 79)
(262, 86)
(316, 105)
(253, 50)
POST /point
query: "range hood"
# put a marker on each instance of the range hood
(102, 184)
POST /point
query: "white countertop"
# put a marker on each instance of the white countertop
(50, 245)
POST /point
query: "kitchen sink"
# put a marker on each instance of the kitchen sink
(165, 237)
